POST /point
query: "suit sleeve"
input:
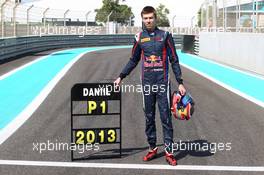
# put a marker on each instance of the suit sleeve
(134, 59)
(174, 60)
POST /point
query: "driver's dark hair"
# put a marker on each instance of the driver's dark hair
(147, 10)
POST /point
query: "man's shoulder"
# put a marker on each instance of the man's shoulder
(137, 36)
(161, 30)
(164, 33)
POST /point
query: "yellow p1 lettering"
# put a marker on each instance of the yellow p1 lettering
(91, 106)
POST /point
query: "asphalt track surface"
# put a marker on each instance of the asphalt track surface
(220, 117)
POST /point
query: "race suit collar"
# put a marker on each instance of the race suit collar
(156, 28)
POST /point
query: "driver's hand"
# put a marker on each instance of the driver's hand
(182, 89)
(117, 81)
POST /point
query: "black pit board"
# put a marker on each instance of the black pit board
(94, 102)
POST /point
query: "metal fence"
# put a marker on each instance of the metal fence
(18, 20)
(233, 15)
(24, 20)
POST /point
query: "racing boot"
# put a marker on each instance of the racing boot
(170, 159)
(151, 154)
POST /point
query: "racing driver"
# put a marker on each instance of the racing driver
(155, 48)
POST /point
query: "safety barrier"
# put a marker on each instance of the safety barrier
(15, 47)
(240, 50)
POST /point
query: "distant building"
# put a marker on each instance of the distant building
(251, 13)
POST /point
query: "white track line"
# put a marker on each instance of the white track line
(247, 97)
(228, 67)
(18, 121)
(132, 166)
(28, 64)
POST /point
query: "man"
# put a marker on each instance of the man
(155, 48)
